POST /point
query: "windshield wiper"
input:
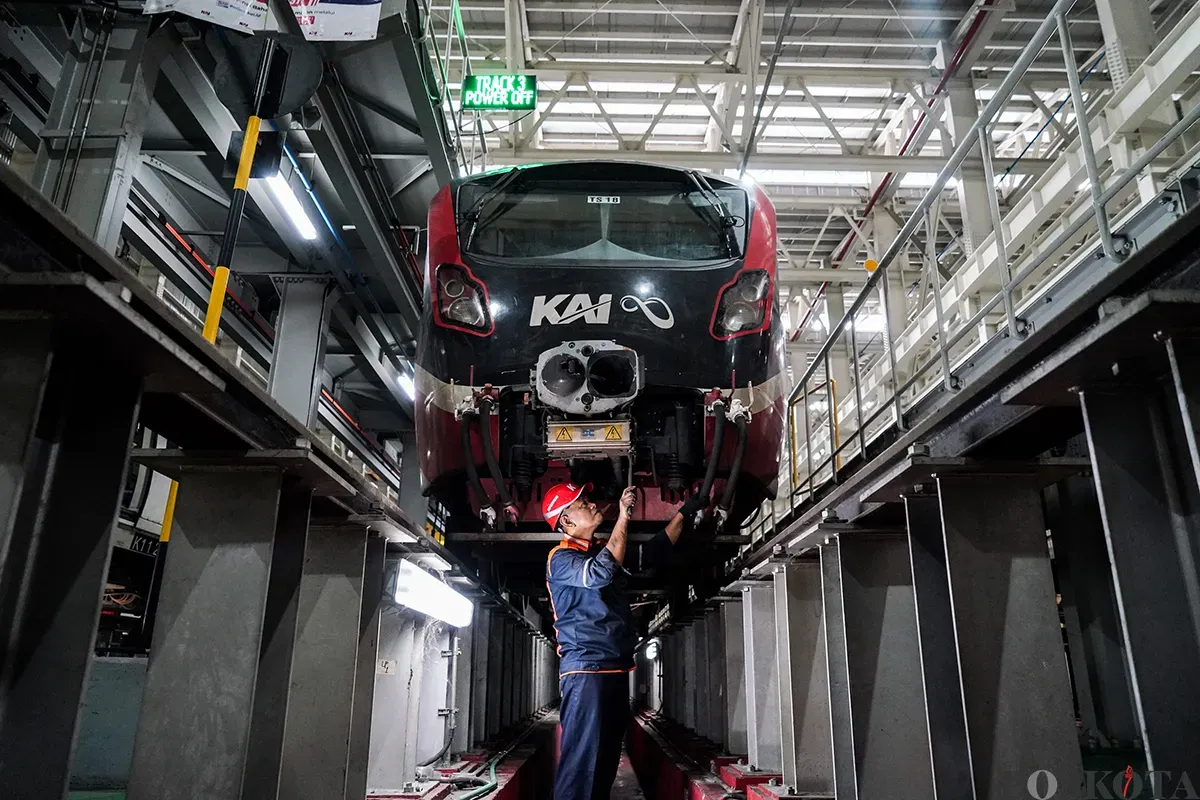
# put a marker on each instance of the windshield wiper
(722, 221)
(471, 216)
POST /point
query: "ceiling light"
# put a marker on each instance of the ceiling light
(422, 592)
(291, 206)
(406, 383)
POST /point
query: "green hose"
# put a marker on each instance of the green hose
(493, 781)
(488, 787)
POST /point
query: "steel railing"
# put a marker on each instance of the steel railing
(874, 408)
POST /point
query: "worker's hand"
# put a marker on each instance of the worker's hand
(693, 504)
(628, 501)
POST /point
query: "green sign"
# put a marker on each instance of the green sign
(499, 93)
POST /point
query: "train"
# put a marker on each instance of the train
(601, 322)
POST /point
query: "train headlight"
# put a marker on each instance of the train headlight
(461, 301)
(743, 306)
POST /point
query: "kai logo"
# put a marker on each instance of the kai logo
(563, 309)
(578, 306)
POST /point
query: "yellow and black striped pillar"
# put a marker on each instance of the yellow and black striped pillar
(216, 299)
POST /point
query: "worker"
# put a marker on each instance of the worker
(596, 633)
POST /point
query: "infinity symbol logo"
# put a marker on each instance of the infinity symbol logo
(630, 302)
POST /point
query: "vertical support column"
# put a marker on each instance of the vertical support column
(764, 747)
(886, 230)
(402, 637)
(1016, 691)
(687, 660)
(1148, 502)
(734, 653)
(839, 360)
(963, 110)
(480, 661)
(299, 353)
(317, 733)
(196, 709)
(1129, 36)
(891, 741)
(841, 719)
(945, 720)
(374, 580)
(274, 679)
(716, 676)
(1089, 605)
(64, 450)
(508, 714)
(411, 499)
(433, 723)
(495, 675)
(804, 680)
(461, 711)
(700, 658)
(93, 137)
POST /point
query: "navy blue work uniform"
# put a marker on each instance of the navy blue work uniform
(596, 638)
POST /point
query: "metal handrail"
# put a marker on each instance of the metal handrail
(976, 136)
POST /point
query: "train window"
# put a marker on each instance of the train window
(613, 221)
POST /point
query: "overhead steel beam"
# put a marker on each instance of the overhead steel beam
(789, 161)
(802, 275)
(415, 67)
(378, 366)
(349, 176)
(191, 81)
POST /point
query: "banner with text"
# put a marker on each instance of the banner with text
(321, 20)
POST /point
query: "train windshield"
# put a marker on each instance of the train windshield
(518, 216)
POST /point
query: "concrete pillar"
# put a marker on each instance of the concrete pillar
(806, 741)
(1016, 692)
(880, 738)
(886, 230)
(298, 357)
(962, 111)
(1145, 464)
(762, 682)
(90, 177)
(64, 450)
(735, 676)
(411, 499)
(1128, 36)
(839, 356)
(196, 714)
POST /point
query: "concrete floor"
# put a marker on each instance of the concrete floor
(626, 786)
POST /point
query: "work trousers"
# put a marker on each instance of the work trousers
(594, 713)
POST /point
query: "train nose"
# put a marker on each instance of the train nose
(588, 377)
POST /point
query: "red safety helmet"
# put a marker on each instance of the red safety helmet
(558, 498)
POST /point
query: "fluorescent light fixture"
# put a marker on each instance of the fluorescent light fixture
(291, 206)
(420, 591)
(406, 383)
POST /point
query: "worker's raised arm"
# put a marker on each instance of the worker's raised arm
(616, 542)
(574, 568)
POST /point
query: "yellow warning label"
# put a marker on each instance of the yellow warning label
(613, 433)
(563, 435)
